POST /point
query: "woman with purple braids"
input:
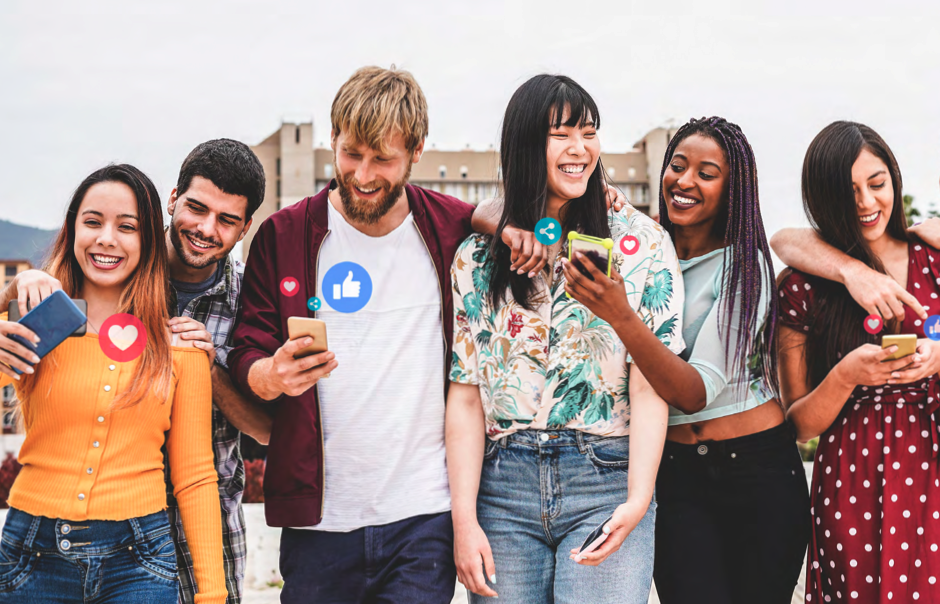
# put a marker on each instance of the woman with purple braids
(733, 507)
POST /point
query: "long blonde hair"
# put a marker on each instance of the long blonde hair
(145, 295)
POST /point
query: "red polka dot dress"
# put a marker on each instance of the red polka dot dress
(876, 477)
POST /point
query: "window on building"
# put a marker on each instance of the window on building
(279, 166)
(463, 171)
(328, 170)
(10, 271)
(443, 171)
(278, 187)
(297, 135)
(611, 173)
(631, 173)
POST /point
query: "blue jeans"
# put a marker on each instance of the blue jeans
(91, 562)
(541, 493)
(410, 561)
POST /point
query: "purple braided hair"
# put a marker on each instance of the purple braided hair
(745, 240)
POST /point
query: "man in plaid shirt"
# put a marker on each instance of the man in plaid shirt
(220, 185)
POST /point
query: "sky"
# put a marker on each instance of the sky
(88, 83)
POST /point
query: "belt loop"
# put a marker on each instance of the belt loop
(135, 526)
(579, 437)
(31, 533)
(503, 442)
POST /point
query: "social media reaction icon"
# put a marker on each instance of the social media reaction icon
(932, 327)
(347, 287)
(873, 324)
(629, 245)
(122, 337)
(547, 231)
(313, 303)
(289, 286)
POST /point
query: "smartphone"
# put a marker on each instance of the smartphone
(596, 537)
(906, 343)
(14, 314)
(53, 320)
(298, 327)
(597, 250)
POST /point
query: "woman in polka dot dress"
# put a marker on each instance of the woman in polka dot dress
(876, 480)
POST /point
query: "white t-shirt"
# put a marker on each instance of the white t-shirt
(383, 406)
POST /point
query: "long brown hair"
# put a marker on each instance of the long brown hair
(829, 201)
(145, 295)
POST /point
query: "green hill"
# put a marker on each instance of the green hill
(18, 241)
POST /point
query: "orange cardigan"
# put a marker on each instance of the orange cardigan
(82, 461)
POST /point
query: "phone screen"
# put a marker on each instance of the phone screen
(598, 254)
(596, 537)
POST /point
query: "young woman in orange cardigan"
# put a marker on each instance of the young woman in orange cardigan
(87, 519)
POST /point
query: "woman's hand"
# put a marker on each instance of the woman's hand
(615, 197)
(9, 347)
(33, 286)
(192, 330)
(866, 366)
(528, 255)
(924, 363)
(880, 294)
(626, 518)
(604, 296)
(472, 554)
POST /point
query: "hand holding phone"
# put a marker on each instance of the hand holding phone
(594, 539)
(53, 320)
(906, 343)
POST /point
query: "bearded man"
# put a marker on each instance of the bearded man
(356, 470)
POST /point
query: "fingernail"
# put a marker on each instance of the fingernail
(308, 342)
(606, 530)
(493, 579)
(37, 339)
(532, 274)
(578, 558)
(29, 370)
(35, 359)
(520, 271)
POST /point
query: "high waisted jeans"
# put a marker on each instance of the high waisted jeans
(46, 561)
(541, 493)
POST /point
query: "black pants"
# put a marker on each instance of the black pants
(733, 520)
(410, 561)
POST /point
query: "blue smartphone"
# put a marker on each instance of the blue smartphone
(53, 320)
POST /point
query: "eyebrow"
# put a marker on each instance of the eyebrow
(205, 207)
(97, 213)
(878, 173)
(710, 163)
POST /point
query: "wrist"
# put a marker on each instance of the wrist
(464, 518)
(848, 271)
(260, 382)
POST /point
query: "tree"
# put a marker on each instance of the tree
(912, 213)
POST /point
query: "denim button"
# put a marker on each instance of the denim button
(65, 529)
(81, 497)
(65, 544)
(733, 455)
(702, 449)
(544, 437)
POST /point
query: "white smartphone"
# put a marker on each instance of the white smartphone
(595, 539)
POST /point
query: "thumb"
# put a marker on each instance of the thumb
(489, 567)
(348, 277)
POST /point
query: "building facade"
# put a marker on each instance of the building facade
(294, 169)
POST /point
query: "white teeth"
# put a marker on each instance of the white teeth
(684, 200)
(578, 169)
(105, 259)
(870, 217)
(369, 191)
(201, 246)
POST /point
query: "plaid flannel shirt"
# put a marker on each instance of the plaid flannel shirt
(216, 309)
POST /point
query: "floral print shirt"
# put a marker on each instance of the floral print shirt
(560, 366)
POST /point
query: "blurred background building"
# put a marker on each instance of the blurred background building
(295, 169)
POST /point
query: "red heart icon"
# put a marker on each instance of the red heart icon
(122, 337)
(289, 286)
(873, 324)
(629, 245)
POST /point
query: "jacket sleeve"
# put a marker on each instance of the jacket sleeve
(258, 328)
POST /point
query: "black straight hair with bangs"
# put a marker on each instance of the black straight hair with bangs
(535, 108)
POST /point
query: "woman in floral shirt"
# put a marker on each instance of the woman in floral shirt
(552, 384)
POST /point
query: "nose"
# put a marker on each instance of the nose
(106, 236)
(365, 172)
(865, 202)
(576, 145)
(207, 228)
(686, 180)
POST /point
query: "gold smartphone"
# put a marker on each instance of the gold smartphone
(299, 327)
(906, 343)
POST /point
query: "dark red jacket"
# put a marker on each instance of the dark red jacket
(288, 244)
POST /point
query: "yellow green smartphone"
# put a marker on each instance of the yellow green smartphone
(597, 250)
(906, 343)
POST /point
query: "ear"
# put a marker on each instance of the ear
(333, 140)
(419, 150)
(245, 230)
(171, 203)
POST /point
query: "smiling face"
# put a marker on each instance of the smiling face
(370, 181)
(571, 153)
(206, 222)
(107, 237)
(695, 182)
(874, 194)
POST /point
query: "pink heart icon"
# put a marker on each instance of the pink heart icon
(873, 324)
(289, 286)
